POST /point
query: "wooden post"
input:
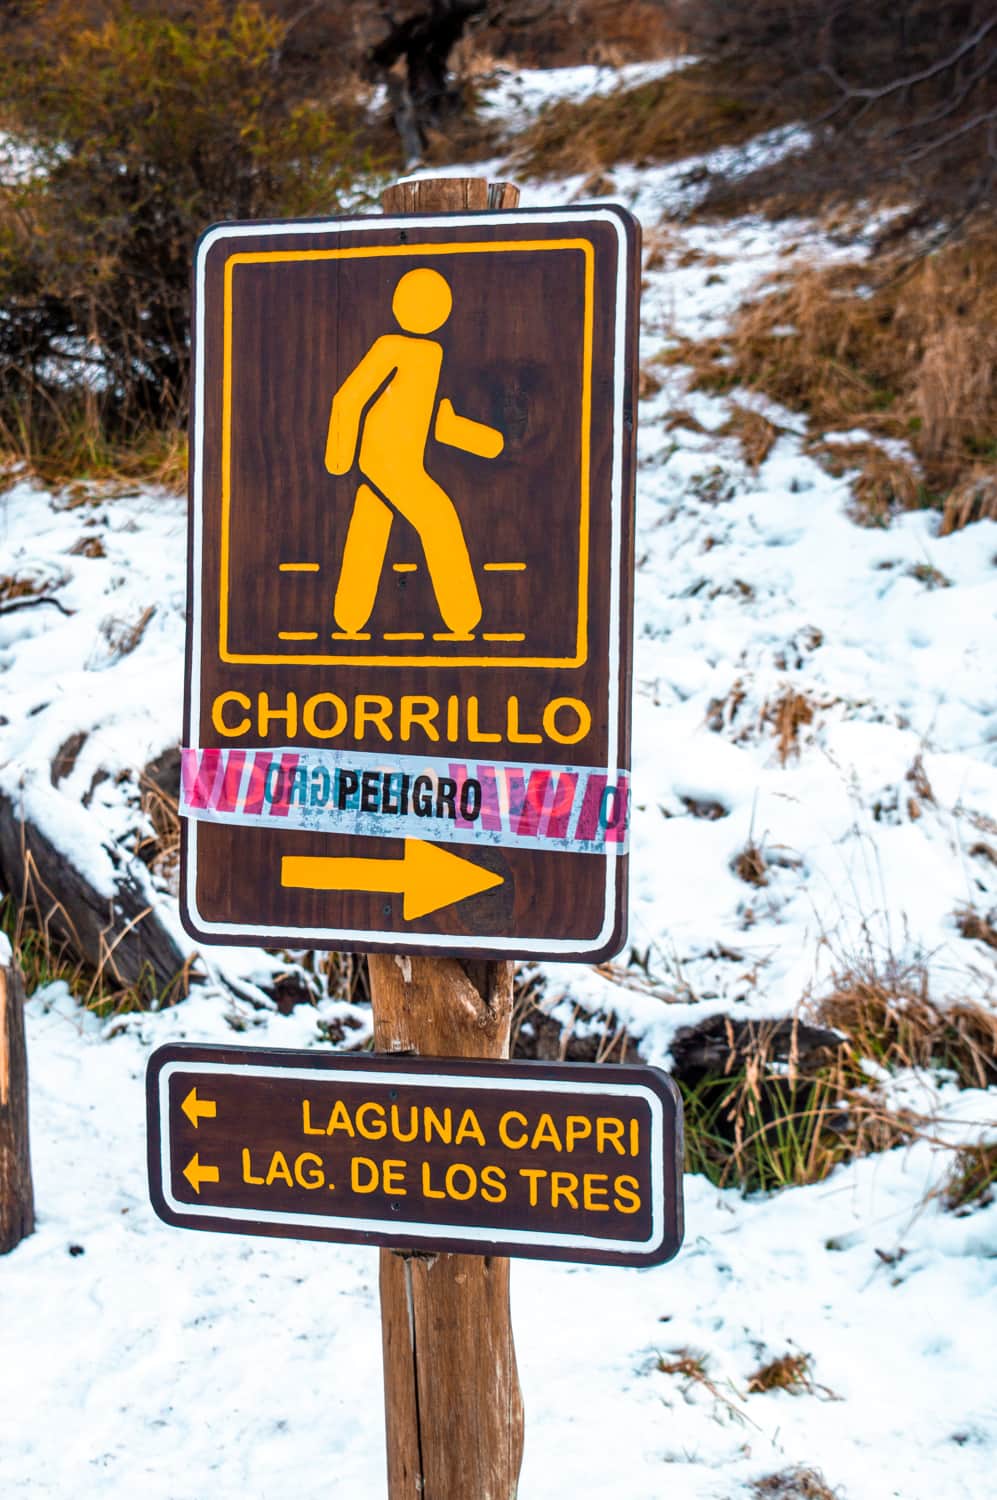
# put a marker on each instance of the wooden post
(453, 1407)
(17, 1210)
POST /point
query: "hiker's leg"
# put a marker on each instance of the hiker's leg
(363, 561)
(432, 513)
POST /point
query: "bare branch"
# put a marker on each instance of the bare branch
(949, 108)
(898, 84)
(966, 128)
(32, 603)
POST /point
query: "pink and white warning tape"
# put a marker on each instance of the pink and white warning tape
(581, 809)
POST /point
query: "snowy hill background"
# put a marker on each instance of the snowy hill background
(816, 693)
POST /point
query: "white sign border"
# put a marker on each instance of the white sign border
(421, 941)
(449, 1232)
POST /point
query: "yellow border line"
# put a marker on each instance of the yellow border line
(368, 252)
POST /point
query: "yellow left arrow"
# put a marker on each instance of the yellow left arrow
(196, 1174)
(198, 1109)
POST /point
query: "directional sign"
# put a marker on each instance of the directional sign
(562, 1161)
(407, 719)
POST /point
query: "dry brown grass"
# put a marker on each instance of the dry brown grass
(607, 32)
(684, 1363)
(901, 351)
(978, 926)
(344, 976)
(775, 1120)
(891, 1019)
(968, 1044)
(693, 1369)
(123, 636)
(20, 589)
(883, 484)
(681, 417)
(972, 1180)
(794, 1484)
(755, 433)
(161, 850)
(648, 384)
(750, 865)
(787, 715)
(722, 712)
(790, 1372)
(20, 586)
(974, 498)
(918, 778)
(790, 1104)
(773, 1104)
(693, 110)
(81, 451)
(88, 546)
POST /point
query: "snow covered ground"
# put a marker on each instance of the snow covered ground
(145, 1360)
(515, 96)
(141, 1360)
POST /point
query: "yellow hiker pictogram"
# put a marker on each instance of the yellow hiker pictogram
(399, 377)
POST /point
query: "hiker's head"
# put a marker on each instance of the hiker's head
(422, 301)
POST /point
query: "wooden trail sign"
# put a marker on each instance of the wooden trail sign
(560, 1161)
(407, 709)
(407, 716)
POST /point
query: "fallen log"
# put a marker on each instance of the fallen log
(117, 931)
(720, 1046)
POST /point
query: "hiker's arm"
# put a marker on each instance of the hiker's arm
(348, 404)
(462, 432)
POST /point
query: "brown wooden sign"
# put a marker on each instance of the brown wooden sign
(408, 697)
(561, 1161)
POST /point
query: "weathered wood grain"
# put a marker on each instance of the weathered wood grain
(17, 1211)
(441, 1007)
(453, 1405)
(454, 1409)
(448, 195)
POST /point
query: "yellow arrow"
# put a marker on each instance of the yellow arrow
(426, 876)
(196, 1174)
(198, 1109)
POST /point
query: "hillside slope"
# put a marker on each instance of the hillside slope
(815, 791)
